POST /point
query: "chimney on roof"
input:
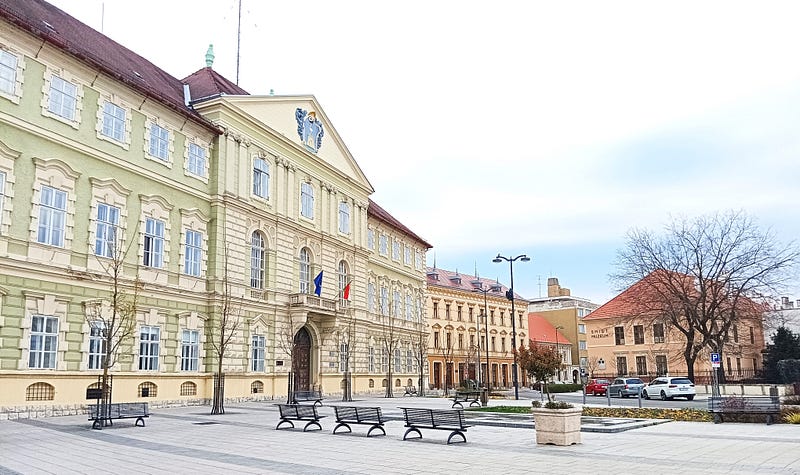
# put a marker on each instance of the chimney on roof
(210, 56)
(554, 289)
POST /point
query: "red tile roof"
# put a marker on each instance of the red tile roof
(630, 302)
(100, 52)
(540, 330)
(467, 283)
(206, 83)
(381, 214)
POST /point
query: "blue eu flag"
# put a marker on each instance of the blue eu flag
(318, 284)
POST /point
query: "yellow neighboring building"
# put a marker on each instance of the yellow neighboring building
(566, 313)
(463, 310)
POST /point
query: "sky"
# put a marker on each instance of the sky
(542, 128)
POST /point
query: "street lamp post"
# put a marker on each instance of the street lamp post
(486, 329)
(510, 296)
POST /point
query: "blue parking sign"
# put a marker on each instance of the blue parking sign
(715, 358)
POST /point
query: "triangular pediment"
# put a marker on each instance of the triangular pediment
(301, 121)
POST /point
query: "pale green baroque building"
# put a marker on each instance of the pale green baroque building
(196, 182)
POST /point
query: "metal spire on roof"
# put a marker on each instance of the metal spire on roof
(210, 56)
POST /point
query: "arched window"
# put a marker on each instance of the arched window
(397, 383)
(257, 260)
(257, 387)
(384, 383)
(409, 383)
(148, 389)
(40, 392)
(305, 271)
(344, 291)
(371, 383)
(188, 388)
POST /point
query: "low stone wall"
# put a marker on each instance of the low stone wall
(746, 389)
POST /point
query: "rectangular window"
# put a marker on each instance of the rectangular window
(343, 356)
(471, 314)
(436, 339)
(385, 360)
(459, 313)
(106, 235)
(582, 344)
(582, 328)
(194, 253)
(752, 333)
(658, 333)
(739, 366)
(159, 142)
(258, 346)
(494, 348)
(44, 342)
(62, 98)
(385, 301)
(52, 216)
(149, 341)
(622, 366)
(503, 344)
(407, 255)
(638, 335)
(113, 122)
(8, 72)
(460, 341)
(97, 344)
(261, 178)
(197, 160)
(190, 350)
(307, 200)
(384, 245)
(398, 303)
(435, 309)
(641, 365)
(397, 361)
(371, 239)
(344, 217)
(409, 361)
(418, 260)
(395, 249)
(371, 361)
(619, 335)
(371, 297)
(447, 311)
(409, 307)
(661, 365)
(735, 334)
(154, 243)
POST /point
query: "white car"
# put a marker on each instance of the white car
(667, 388)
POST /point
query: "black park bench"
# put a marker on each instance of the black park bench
(472, 397)
(372, 416)
(440, 419)
(315, 396)
(299, 412)
(769, 406)
(118, 410)
(410, 391)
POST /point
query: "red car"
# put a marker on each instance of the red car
(597, 386)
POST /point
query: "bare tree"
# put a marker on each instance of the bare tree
(419, 348)
(447, 352)
(703, 276)
(390, 341)
(592, 364)
(223, 328)
(113, 320)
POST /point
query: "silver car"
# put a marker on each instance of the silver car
(624, 387)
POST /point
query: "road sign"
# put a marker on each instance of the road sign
(715, 360)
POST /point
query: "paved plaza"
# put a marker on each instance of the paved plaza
(244, 440)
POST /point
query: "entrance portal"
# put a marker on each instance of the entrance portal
(301, 360)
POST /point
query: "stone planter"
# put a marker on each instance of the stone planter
(558, 426)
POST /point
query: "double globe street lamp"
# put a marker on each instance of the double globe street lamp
(510, 296)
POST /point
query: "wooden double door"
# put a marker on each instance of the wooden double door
(301, 360)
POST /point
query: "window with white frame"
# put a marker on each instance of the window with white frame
(582, 344)
(418, 260)
(343, 281)
(190, 350)
(63, 98)
(305, 271)
(409, 307)
(97, 344)
(8, 72)
(106, 235)
(307, 200)
(384, 245)
(385, 360)
(343, 356)
(371, 297)
(194, 253)
(371, 359)
(258, 255)
(149, 343)
(407, 255)
(344, 217)
(52, 216)
(154, 243)
(409, 361)
(197, 160)
(396, 249)
(159, 142)
(261, 178)
(384, 301)
(371, 239)
(258, 345)
(113, 125)
(397, 304)
(44, 342)
(397, 360)
(581, 328)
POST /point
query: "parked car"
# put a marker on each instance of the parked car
(667, 387)
(624, 387)
(597, 387)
